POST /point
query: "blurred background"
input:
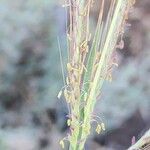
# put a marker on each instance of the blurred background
(31, 116)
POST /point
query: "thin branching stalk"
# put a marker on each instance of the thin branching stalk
(90, 60)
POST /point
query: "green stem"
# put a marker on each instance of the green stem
(76, 143)
(81, 118)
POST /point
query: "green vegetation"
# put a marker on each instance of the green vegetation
(89, 62)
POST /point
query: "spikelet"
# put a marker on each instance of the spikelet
(59, 94)
(98, 128)
(69, 67)
(103, 126)
(68, 122)
(66, 95)
(62, 144)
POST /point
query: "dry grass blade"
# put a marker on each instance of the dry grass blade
(143, 143)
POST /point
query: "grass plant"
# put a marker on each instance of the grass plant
(90, 61)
